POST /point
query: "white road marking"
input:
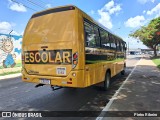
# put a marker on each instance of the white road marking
(114, 96)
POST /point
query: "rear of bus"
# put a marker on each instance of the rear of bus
(51, 50)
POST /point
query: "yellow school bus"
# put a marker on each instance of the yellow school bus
(65, 47)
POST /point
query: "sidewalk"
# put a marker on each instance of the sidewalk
(10, 76)
(141, 92)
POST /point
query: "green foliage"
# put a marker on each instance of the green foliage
(8, 73)
(149, 34)
(17, 65)
(156, 61)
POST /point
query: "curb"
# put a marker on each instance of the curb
(10, 76)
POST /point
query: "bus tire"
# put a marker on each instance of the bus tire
(123, 71)
(107, 81)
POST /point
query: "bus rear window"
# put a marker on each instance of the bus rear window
(53, 11)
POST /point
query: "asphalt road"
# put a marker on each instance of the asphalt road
(20, 96)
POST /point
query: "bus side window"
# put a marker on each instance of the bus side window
(113, 42)
(89, 35)
(104, 39)
(118, 45)
(125, 46)
(97, 37)
(122, 48)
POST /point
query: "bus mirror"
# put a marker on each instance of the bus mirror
(125, 48)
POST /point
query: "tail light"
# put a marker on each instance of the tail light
(75, 60)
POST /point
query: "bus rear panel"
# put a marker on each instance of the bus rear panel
(50, 50)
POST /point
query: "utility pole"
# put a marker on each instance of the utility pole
(128, 47)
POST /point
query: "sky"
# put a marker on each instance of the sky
(122, 17)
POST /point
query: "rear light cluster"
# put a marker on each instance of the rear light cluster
(75, 60)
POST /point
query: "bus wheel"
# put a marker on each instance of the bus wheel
(107, 81)
(123, 71)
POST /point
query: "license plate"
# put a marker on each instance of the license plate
(45, 81)
(61, 71)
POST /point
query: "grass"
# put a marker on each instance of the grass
(156, 60)
(8, 73)
(17, 65)
(11, 72)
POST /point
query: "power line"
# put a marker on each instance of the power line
(35, 4)
(23, 5)
(40, 1)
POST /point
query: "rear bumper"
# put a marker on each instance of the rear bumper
(68, 81)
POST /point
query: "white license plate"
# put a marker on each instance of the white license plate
(45, 81)
(61, 71)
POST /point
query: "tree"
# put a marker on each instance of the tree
(149, 35)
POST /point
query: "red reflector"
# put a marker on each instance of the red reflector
(69, 82)
(75, 56)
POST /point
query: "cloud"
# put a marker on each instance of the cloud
(6, 27)
(145, 1)
(155, 10)
(17, 7)
(105, 13)
(48, 5)
(92, 12)
(111, 7)
(135, 22)
(105, 19)
(134, 43)
(144, 11)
